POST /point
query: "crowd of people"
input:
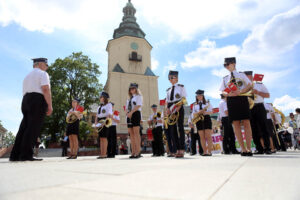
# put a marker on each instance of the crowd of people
(243, 116)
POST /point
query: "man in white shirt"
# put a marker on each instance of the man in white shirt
(259, 117)
(36, 104)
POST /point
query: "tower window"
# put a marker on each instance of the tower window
(135, 57)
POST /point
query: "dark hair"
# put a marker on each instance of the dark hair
(292, 115)
(297, 110)
(204, 100)
(105, 100)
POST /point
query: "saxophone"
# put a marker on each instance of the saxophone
(200, 116)
(173, 117)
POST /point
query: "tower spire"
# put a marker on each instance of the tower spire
(129, 26)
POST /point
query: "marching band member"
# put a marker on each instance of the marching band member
(36, 104)
(112, 136)
(204, 127)
(73, 129)
(104, 113)
(174, 95)
(229, 138)
(259, 117)
(270, 125)
(194, 136)
(156, 122)
(238, 106)
(133, 110)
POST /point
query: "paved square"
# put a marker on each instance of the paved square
(218, 177)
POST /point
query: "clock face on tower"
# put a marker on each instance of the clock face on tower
(134, 46)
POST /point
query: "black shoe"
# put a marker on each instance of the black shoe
(31, 159)
(244, 154)
(170, 156)
(227, 153)
(101, 157)
(258, 152)
(69, 157)
(111, 156)
(235, 152)
(249, 154)
(132, 156)
(268, 152)
(139, 156)
(14, 159)
(192, 154)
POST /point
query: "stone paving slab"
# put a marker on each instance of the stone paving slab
(194, 177)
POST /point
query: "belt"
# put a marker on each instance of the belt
(259, 104)
(101, 118)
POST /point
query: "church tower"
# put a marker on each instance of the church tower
(129, 61)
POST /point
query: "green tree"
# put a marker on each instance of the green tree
(84, 131)
(73, 76)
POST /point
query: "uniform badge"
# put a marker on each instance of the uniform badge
(240, 84)
(103, 111)
(134, 103)
(177, 96)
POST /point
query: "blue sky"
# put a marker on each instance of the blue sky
(191, 36)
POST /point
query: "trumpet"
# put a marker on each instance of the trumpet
(173, 117)
(70, 119)
(155, 117)
(200, 116)
(104, 123)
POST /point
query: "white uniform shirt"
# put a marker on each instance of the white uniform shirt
(298, 121)
(237, 75)
(269, 110)
(105, 111)
(261, 88)
(136, 100)
(161, 118)
(196, 107)
(278, 118)
(190, 118)
(222, 109)
(179, 92)
(116, 117)
(34, 81)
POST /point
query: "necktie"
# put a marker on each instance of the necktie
(129, 104)
(172, 93)
(233, 78)
(200, 105)
(99, 111)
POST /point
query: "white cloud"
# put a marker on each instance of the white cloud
(287, 103)
(218, 18)
(208, 55)
(170, 66)
(265, 45)
(154, 64)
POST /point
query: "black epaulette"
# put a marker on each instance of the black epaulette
(180, 85)
(168, 89)
(259, 83)
(225, 76)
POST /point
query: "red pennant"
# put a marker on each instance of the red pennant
(162, 102)
(216, 110)
(116, 113)
(80, 109)
(124, 107)
(232, 87)
(258, 77)
(192, 106)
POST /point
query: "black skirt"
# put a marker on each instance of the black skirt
(238, 108)
(103, 133)
(135, 119)
(73, 129)
(205, 124)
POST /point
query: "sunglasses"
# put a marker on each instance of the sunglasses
(172, 77)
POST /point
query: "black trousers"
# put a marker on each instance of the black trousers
(64, 149)
(179, 134)
(194, 139)
(171, 141)
(34, 109)
(259, 126)
(157, 144)
(112, 141)
(229, 137)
